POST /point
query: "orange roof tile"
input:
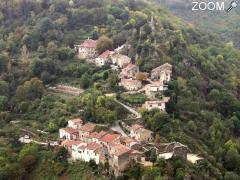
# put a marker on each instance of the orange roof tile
(106, 54)
(93, 146)
(120, 149)
(156, 84)
(70, 143)
(89, 43)
(131, 81)
(109, 138)
(77, 120)
(70, 130)
(97, 135)
(130, 66)
(163, 67)
(88, 127)
(136, 126)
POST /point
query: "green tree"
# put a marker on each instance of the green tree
(231, 176)
(232, 159)
(85, 81)
(30, 90)
(4, 88)
(3, 62)
(28, 150)
(65, 53)
(104, 43)
(3, 103)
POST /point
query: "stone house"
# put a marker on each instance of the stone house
(95, 136)
(75, 123)
(120, 60)
(129, 71)
(104, 58)
(85, 130)
(162, 73)
(155, 89)
(120, 158)
(108, 139)
(92, 151)
(68, 133)
(87, 49)
(130, 84)
(141, 134)
(68, 144)
(158, 104)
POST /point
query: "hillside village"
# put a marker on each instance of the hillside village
(84, 143)
(128, 73)
(116, 89)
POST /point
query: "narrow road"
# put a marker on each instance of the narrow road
(116, 127)
(137, 114)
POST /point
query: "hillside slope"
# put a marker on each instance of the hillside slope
(36, 48)
(216, 22)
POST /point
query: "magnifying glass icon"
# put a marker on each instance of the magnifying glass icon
(232, 5)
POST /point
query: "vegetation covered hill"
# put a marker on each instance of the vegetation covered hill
(36, 48)
(220, 23)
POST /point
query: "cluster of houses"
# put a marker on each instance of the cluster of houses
(128, 75)
(85, 144)
(154, 90)
(87, 50)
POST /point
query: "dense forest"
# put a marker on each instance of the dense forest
(215, 22)
(37, 41)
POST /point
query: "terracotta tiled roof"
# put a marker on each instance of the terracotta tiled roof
(106, 54)
(157, 102)
(143, 130)
(70, 143)
(117, 55)
(165, 66)
(129, 66)
(88, 127)
(136, 126)
(97, 135)
(129, 81)
(93, 146)
(77, 120)
(156, 84)
(89, 43)
(109, 138)
(129, 140)
(120, 149)
(70, 130)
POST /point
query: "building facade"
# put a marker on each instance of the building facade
(162, 73)
(130, 84)
(87, 49)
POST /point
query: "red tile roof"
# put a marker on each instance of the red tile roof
(89, 43)
(131, 81)
(106, 54)
(70, 143)
(163, 67)
(165, 100)
(109, 138)
(129, 66)
(88, 127)
(70, 130)
(77, 120)
(156, 84)
(136, 127)
(120, 149)
(97, 135)
(93, 146)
